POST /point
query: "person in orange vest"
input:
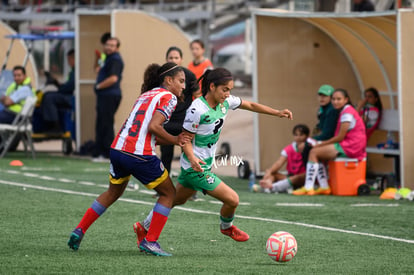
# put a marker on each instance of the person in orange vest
(12, 101)
(200, 63)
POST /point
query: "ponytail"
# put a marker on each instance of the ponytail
(151, 79)
(155, 74)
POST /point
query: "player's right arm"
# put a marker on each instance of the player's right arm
(188, 151)
(190, 128)
(156, 128)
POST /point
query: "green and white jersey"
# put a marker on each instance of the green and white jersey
(206, 123)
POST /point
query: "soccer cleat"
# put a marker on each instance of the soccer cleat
(235, 233)
(153, 248)
(75, 239)
(303, 191)
(141, 232)
(323, 191)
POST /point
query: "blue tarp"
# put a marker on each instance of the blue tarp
(46, 36)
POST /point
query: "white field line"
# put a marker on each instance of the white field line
(213, 213)
(12, 172)
(33, 175)
(100, 169)
(48, 178)
(219, 202)
(44, 188)
(86, 183)
(376, 204)
(149, 192)
(299, 204)
(25, 168)
(67, 180)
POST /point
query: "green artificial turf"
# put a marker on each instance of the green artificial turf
(42, 201)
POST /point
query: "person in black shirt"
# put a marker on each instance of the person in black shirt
(108, 95)
(191, 91)
(53, 102)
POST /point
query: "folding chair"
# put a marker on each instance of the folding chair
(21, 125)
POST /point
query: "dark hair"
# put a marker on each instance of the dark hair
(302, 128)
(19, 68)
(70, 52)
(197, 41)
(173, 48)
(105, 37)
(218, 76)
(155, 74)
(375, 92)
(305, 153)
(344, 93)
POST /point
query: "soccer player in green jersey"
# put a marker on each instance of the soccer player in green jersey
(203, 122)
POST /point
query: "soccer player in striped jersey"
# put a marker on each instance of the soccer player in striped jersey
(204, 121)
(133, 153)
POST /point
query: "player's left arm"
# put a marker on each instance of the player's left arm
(263, 109)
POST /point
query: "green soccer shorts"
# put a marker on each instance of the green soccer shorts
(200, 181)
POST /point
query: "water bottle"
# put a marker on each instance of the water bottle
(390, 141)
(377, 184)
(410, 196)
(252, 180)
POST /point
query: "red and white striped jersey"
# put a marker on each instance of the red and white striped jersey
(134, 136)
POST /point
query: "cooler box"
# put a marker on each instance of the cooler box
(346, 175)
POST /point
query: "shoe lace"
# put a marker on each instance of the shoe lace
(236, 232)
(154, 245)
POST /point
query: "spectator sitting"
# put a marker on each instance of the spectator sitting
(11, 103)
(276, 182)
(54, 101)
(327, 115)
(370, 109)
(349, 141)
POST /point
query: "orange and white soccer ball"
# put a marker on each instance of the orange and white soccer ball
(281, 246)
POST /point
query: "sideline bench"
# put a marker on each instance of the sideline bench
(389, 122)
